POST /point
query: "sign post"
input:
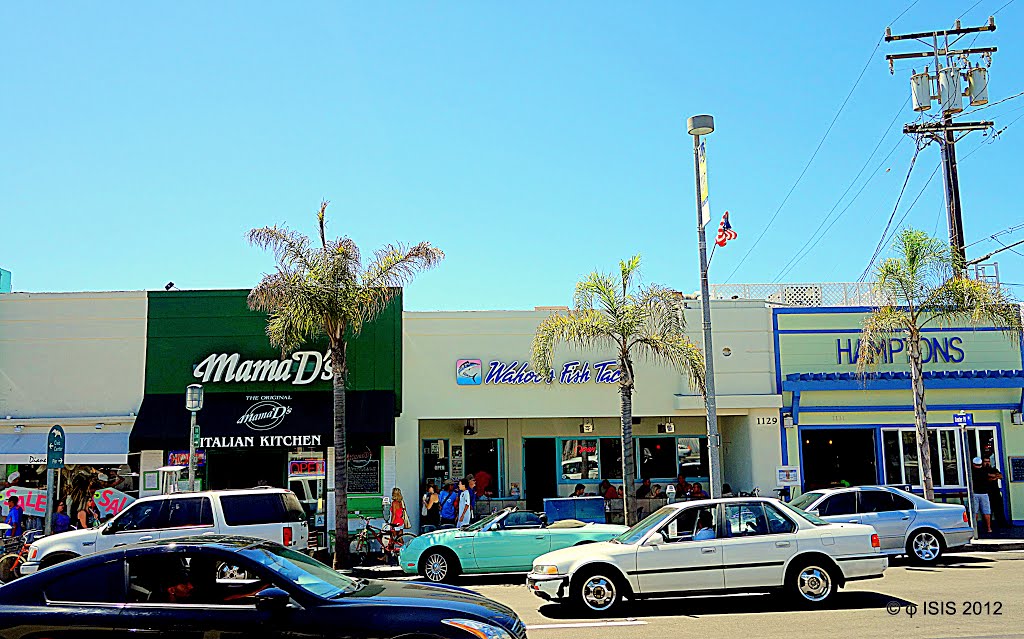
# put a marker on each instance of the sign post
(193, 404)
(964, 419)
(55, 446)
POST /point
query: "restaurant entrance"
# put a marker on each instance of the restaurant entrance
(540, 456)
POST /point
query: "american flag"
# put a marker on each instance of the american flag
(725, 232)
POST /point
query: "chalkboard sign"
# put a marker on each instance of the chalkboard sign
(364, 477)
(1017, 469)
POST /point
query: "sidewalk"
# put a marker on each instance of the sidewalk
(1002, 539)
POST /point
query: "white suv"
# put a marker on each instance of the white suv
(274, 514)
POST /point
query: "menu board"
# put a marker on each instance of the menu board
(364, 476)
(1016, 469)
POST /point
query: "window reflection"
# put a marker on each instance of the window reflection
(580, 460)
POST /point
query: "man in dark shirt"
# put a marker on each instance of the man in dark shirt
(983, 478)
(644, 490)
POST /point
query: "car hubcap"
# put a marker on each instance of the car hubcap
(814, 583)
(598, 593)
(436, 568)
(926, 546)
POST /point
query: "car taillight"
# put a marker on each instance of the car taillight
(287, 534)
(965, 518)
(874, 542)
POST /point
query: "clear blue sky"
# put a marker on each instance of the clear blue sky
(533, 142)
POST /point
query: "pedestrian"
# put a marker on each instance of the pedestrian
(398, 521)
(431, 510)
(449, 500)
(61, 521)
(607, 490)
(645, 489)
(682, 487)
(995, 497)
(465, 502)
(982, 479)
(15, 517)
(89, 515)
(579, 491)
(727, 491)
(698, 492)
(483, 483)
(655, 492)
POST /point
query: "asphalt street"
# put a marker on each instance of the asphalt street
(895, 607)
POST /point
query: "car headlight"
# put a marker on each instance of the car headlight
(545, 570)
(478, 628)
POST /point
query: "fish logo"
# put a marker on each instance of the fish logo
(468, 372)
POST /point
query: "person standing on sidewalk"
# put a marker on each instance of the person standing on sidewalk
(982, 479)
(465, 502)
(449, 500)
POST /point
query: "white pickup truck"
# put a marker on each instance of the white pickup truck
(274, 514)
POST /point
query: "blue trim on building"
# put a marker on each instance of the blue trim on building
(903, 408)
(778, 388)
(848, 382)
(852, 331)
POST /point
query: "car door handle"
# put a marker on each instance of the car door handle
(539, 537)
(852, 521)
(146, 538)
(782, 544)
(906, 518)
(118, 545)
(707, 551)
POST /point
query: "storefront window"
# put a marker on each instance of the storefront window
(580, 460)
(610, 451)
(984, 440)
(899, 448)
(692, 457)
(656, 457)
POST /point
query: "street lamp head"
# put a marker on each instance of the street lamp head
(700, 125)
(194, 397)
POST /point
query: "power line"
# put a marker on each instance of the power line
(997, 234)
(881, 241)
(801, 254)
(817, 148)
(971, 9)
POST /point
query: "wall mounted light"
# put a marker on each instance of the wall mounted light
(99, 426)
(787, 421)
(1016, 417)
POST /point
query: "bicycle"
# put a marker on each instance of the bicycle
(371, 540)
(15, 551)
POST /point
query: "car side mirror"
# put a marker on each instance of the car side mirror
(657, 539)
(108, 529)
(543, 521)
(272, 600)
(814, 512)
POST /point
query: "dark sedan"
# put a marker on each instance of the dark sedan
(236, 587)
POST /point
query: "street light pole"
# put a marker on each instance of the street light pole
(697, 126)
(193, 403)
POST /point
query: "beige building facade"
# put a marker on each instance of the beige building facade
(473, 404)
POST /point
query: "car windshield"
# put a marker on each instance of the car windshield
(640, 530)
(805, 500)
(305, 572)
(481, 524)
(814, 519)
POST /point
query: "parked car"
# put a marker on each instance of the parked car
(905, 523)
(712, 546)
(173, 588)
(506, 541)
(273, 514)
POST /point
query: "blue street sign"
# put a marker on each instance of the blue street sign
(55, 443)
(967, 419)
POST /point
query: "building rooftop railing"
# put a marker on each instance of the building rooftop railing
(826, 293)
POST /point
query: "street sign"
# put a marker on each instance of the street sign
(195, 435)
(55, 444)
(966, 419)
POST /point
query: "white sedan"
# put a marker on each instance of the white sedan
(712, 546)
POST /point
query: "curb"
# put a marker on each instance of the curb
(1001, 546)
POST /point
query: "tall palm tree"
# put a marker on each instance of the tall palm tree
(326, 289)
(925, 283)
(636, 321)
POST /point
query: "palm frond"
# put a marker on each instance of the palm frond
(586, 328)
(961, 300)
(289, 247)
(394, 266)
(881, 323)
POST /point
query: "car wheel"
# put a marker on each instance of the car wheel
(8, 571)
(439, 566)
(812, 583)
(924, 546)
(596, 591)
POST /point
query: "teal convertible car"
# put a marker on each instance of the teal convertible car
(506, 541)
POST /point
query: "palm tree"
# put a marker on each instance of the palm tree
(326, 289)
(926, 284)
(636, 321)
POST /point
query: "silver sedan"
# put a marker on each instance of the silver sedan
(905, 523)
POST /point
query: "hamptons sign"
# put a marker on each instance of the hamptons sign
(470, 372)
(304, 367)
